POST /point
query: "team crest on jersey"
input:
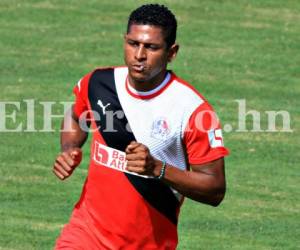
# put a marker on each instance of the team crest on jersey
(160, 128)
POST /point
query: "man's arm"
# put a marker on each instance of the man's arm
(205, 183)
(72, 137)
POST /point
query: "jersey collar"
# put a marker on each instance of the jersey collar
(151, 93)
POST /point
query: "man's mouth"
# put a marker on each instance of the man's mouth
(138, 67)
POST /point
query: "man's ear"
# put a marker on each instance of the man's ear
(173, 50)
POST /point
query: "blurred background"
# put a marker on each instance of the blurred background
(230, 50)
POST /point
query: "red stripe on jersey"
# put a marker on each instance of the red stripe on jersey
(120, 217)
(113, 211)
(196, 139)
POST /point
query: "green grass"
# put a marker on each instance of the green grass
(229, 50)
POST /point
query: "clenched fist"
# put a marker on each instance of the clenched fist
(66, 162)
(140, 161)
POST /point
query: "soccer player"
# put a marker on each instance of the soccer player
(155, 141)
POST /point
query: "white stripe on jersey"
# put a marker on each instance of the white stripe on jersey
(79, 84)
(159, 122)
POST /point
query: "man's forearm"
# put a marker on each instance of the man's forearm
(202, 185)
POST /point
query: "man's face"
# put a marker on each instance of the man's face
(145, 52)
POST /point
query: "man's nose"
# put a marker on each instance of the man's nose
(141, 53)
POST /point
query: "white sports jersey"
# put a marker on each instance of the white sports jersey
(177, 125)
(159, 118)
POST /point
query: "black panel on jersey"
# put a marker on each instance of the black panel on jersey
(102, 87)
(158, 194)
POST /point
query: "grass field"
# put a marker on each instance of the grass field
(229, 50)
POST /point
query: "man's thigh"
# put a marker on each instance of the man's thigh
(77, 235)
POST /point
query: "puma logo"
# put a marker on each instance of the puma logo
(102, 106)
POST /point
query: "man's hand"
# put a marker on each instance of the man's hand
(140, 161)
(66, 162)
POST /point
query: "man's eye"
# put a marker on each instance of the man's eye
(133, 43)
(152, 47)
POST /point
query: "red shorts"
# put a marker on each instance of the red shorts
(82, 233)
(78, 234)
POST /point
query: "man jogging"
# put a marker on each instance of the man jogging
(155, 141)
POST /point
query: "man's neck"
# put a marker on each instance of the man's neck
(147, 85)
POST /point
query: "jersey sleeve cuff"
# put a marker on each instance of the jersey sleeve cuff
(214, 155)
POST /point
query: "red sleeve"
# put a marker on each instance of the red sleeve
(81, 95)
(203, 136)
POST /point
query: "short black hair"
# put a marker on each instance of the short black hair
(156, 15)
